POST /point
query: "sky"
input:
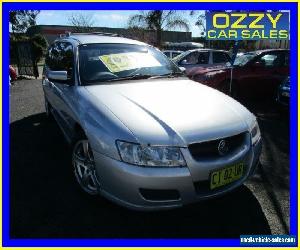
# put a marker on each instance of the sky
(103, 18)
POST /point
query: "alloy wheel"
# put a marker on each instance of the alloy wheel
(84, 167)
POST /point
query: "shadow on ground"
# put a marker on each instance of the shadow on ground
(274, 125)
(46, 201)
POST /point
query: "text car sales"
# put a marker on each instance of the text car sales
(247, 26)
(248, 34)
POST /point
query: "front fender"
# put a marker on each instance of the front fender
(101, 126)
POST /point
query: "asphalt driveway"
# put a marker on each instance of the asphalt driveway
(46, 202)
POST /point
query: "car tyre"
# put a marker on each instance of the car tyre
(84, 165)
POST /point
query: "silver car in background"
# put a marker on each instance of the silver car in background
(144, 135)
(202, 58)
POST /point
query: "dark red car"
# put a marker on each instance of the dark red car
(254, 74)
(12, 73)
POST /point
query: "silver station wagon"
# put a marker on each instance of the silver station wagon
(143, 134)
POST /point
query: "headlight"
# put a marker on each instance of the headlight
(161, 156)
(255, 133)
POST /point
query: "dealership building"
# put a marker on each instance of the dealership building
(51, 32)
(170, 39)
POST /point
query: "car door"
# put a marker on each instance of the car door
(261, 77)
(63, 92)
(195, 59)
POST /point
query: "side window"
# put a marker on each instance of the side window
(271, 60)
(51, 58)
(60, 57)
(220, 57)
(197, 58)
(167, 53)
(174, 54)
(191, 58)
(203, 58)
(67, 62)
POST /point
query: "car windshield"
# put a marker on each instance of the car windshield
(115, 62)
(242, 60)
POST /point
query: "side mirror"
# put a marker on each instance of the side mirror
(58, 75)
(182, 69)
(258, 64)
(184, 62)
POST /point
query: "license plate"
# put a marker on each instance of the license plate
(226, 175)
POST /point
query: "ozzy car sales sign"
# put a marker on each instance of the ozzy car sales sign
(247, 25)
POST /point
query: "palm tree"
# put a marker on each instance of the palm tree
(158, 20)
(200, 22)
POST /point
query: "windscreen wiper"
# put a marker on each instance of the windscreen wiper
(130, 77)
(169, 75)
(145, 76)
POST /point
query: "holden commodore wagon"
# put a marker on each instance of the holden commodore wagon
(143, 134)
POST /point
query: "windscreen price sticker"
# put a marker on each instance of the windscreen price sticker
(128, 61)
(247, 25)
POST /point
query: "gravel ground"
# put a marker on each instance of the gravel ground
(46, 202)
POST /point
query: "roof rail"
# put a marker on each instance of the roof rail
(68, 33)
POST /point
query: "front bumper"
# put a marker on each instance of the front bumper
(125, 184)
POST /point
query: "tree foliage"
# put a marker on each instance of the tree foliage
(39, 46)
(200, 21)
(81, 22)
(20, 20)
(158, 20)
(38, 42)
